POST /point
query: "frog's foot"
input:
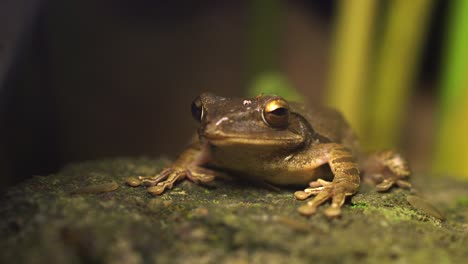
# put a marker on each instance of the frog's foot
(167, 177)
(386, 169)
(387, 183)
(324, 190)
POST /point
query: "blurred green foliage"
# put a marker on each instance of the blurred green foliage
(274, 83)
(451, 147)
(372, 72)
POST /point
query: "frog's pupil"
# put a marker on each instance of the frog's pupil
(279, 111)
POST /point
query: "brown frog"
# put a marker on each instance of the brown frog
(271, 140)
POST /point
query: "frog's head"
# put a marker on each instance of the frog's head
(261, 122)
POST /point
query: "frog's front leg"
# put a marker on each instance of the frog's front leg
(345, 182)
(187, 166)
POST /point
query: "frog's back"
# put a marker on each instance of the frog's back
(328, 123)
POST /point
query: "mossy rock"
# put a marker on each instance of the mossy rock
(52, 219)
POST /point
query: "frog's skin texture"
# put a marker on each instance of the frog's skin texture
(270, 140)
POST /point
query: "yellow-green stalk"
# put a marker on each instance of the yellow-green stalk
(395, 69)
(350, 59)
(451, 147)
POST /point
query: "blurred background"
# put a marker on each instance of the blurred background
(85, 79)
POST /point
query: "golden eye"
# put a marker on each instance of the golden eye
(276, 113)
(197, 109)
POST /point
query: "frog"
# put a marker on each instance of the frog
(270, 140)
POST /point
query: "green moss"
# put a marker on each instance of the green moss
(358, 205)
(394, 214)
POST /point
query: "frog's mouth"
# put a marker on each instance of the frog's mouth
(237, 140)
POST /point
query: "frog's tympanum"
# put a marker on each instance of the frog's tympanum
(267, 139)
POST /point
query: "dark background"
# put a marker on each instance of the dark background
(100, 79)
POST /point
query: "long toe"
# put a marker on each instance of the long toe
(333, 211)
(307, 210)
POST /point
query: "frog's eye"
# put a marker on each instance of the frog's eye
(197, 109)
(276, 113)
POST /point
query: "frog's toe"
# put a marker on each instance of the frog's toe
(155, 190)
(336, 191)
(169, 176)
(319, 183)
(404, 184)
(302, 195)
(200, 175)
(168, 183)
(133, 182)
(385, 185)
(333, 211)
(307, 210)
(310, 208)
(153, 180)
(148, 180)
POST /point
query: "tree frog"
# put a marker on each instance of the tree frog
(271, 140)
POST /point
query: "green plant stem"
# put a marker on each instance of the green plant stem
(395, 70)
(350, 62)
(451, 147)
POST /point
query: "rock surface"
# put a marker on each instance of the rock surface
(65, 218)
